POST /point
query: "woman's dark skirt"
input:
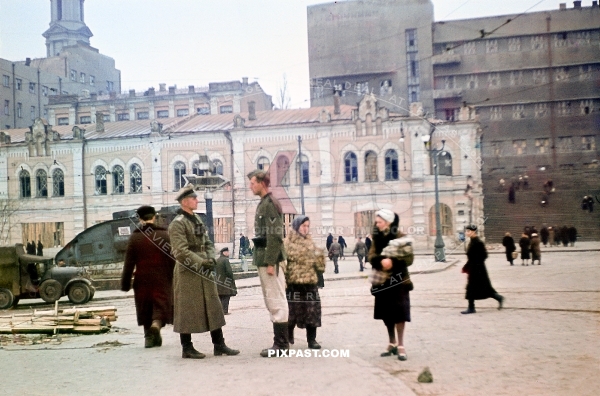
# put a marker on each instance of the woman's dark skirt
(392, 305)
(304, 305)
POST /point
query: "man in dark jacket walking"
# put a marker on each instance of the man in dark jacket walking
(479, 286)
(148, 254)
(361, 250)
(197, 308)
(343, 245)
(329, 241)
(224, 278)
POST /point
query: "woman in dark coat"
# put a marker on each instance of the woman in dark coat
(509, 245)
(524, 244)
(536, 251)
(392, 300)
(479, 286)
(564, 235)
(572, 232)
(148, 255)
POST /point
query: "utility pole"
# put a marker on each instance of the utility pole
(301, 172)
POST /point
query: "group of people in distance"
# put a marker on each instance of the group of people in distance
(530, 242)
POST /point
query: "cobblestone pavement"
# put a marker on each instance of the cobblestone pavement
(544, 342)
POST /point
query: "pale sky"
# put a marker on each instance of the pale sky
(187, 42)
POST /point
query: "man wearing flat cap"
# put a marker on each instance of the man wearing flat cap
(148, 254)
(479, 286)
(196, 301)
(224, 278)
(269, 257)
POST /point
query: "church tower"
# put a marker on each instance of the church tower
(67, 26)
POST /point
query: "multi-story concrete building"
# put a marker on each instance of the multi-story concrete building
(56, 181)
(533, 80)
(382, 47)
(217, 98)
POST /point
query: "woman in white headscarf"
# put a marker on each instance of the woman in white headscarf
(304, 262)
(391, 253)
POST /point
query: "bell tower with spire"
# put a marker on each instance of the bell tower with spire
(67, 26)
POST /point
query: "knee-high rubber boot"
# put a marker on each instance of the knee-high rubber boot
(311, 337)
(280, 341)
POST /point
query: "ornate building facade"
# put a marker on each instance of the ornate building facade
(56, 181)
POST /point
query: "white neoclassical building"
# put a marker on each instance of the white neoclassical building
(56, 181)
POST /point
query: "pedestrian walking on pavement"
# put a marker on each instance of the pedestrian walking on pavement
(244, 243)
(368, 243)
(564, 235)
(196, 301)
(224, 278)
(335, 250)
(479, 286)
(525, 245)
(304, 262)
(329, 241)
(148, 256)
(361, 250)
(40, 248)
(551, 236)
(572, 232)
(536, 251)
(343, 245)
(269, 258)
(392, 300)
(509, 245)
(544, 235)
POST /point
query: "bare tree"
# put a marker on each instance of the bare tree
(283, 99)
(8, 207)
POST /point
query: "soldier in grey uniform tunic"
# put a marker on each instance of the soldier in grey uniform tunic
(197, 308)
(269, 258)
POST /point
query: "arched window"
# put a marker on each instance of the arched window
(444, 160)
(263, 164)
(370, 166)
(391, 165)
(218, 165)
(196, 168)
(283, 167)
(135, 179)
(350, 167)
(100, 176)
(41, 183)
(58, 182)
(118, 175)
(445, 220)
(179, 171)
(445, 164)
(302, 171)
(25, 184)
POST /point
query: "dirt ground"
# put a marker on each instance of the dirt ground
(546, 341)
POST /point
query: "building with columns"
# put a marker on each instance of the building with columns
(57, 180)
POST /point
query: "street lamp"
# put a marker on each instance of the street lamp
(208, 182)
(438, 251)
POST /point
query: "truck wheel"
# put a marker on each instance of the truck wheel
(6, 299)
(79, 293)
(50, 291)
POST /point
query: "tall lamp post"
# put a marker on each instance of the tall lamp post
(438, 252)
(208, 182)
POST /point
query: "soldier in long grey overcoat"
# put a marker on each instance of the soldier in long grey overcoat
(197, 308)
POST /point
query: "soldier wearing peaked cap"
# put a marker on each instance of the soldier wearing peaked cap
(196, 301)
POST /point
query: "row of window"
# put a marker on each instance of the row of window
(516, 44)
(19, 110)
(90, 79)
(540, 110)
(141, 115)
(41, 183)
(515, 78)
(19, 85)
(118, 180)
(542, 145)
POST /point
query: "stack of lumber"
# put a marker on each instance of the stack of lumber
(88, 320)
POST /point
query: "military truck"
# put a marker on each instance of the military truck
(28, 276)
